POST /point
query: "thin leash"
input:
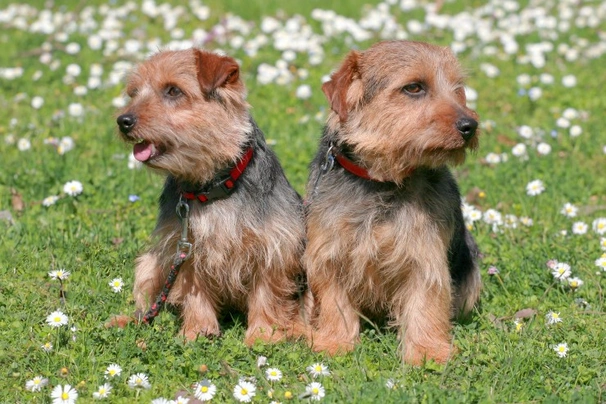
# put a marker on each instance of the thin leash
(183, 253)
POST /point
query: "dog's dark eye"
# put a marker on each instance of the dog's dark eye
(132, 93)
(173, 91)
(413, 89)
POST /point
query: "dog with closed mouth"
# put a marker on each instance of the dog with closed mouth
(188, 119)
(385, 232)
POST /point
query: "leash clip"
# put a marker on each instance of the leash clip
(183, 245)
(329, 160)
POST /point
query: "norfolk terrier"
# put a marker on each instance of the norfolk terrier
(188, 119)
(385, 232)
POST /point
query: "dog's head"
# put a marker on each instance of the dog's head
(187, 113)
(401, 105)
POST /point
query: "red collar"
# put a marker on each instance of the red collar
(358, 171)
(221, 188)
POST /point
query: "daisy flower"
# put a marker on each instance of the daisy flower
(526, 221)
(574, 283)
(303, 92)
(603, 243)
(315, 391)
(391, 384)
(561, 271)
(273, 374)
(579, 228)
(244, 391)
(553, 317)
(599, 225)
(50, 200)
(205, 390)
(182, 400)
(116, 284)
(601, 262)
(47, 347)
(518, 324)
(64, 394)
(561, 349)
(102, 392)
(492, 270)
(113, 370)
(36, 384)
(139, 381)
(56, 319)
(261, 361)
(61, 274)
(569, 210)
(318, 369)
(73, 188)
(534, 188)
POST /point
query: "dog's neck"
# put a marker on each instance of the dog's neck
(344, 156)
(220, 187)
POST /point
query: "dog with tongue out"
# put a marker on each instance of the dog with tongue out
(187, 119)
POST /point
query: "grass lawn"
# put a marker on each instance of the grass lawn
(536, 78)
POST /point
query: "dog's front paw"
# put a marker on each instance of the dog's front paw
(331, 346)
(192, 333)
(440, 352)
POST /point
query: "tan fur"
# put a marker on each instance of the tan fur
(385, 253)
(240, 258)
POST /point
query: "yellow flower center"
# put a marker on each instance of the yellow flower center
(315, 391)
(101, 390)
(112, 372)
(204, 389)
(561, 348)
(64, 395)
(243, 391)
(57, 319)
(288, 394)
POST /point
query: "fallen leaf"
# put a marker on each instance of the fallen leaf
(525, 313)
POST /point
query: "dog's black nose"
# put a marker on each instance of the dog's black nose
(126, 122)
(467, 127)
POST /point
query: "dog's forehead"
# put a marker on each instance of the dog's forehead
(404, 60)
(165, 67)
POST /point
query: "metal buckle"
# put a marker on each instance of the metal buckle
(183, 245)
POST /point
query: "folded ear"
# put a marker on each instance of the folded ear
(215, 71)
(336, 88)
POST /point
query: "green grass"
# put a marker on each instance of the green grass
(98, 234)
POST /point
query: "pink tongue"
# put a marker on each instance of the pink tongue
(143, 151)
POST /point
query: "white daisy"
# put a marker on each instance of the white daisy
(73, 188)
(561, 271)
(64, 394)
(553, 317)
(205, 390)
(599, 225)
(61, 274)
(273, 374)
(535, 187)
(575, 283)
(315, 391)
(102, 392)
(139, 381)
(569, 210)
(579, 228)
(244, 391)
(318, 369)
(36, 384)
(116, 284)
(56, 319)
(50, 200)
(561, 349)
(113, 370)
